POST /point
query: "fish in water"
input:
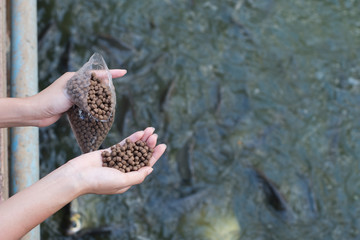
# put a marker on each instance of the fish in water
(166, 210)
(162, 210)
(75, 223)
(213, 220)
(258, 202)
(184, 162)
(273, 197)
(84, 217)
(306, 199)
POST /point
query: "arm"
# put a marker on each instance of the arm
(82, 175)
(43, 108)
(16, 112)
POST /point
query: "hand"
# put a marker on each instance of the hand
(84, 174)
(52, 102)
(94, 178)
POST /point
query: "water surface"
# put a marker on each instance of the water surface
(234, 88)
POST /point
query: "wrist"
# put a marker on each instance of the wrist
(19, 112)
(31, 110)
(75, 182)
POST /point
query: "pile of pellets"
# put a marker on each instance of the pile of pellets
(91, 126)
(128, 157)
(99, 99)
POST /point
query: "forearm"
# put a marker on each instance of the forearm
(17, 112)
(30, 207)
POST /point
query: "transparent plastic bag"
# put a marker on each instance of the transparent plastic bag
(92, 91)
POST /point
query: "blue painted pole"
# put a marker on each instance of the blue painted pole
(24, 169)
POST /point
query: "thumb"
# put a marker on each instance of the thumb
(137, 177)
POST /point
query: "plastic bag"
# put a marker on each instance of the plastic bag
(92, 91)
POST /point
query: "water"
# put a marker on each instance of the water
(232, 87)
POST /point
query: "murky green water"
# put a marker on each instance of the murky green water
(238, 90)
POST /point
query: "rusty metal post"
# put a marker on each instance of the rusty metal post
(24, 82)
(4, 180)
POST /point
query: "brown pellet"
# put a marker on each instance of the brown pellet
(128, 157)
(89, 111)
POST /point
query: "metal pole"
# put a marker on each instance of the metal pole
(24, 82)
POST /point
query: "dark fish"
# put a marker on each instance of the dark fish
(115, 43)
(218, 99)
(83, 216)
(167, 212)
(184, 162)
(273, 197)
(102, 146)
(65, 56)
(188, 202)
(83, 219)
(309, 195)
(120, 53)
(122, 107)
(166, 95)
(242, 29)
(74, 223)
(102, 231)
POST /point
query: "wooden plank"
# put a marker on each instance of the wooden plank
(4, 177)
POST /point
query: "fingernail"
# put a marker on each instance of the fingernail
(149, 171)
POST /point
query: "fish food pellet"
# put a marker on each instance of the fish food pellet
(92, 119)
(128, 157)
(99, 99)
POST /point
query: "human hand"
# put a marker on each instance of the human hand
(92, 177)
(52, 102)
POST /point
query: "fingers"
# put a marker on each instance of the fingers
(151, 142)
(123, 190)
(158, 151)
(116, 73)
(147, 133)
(133, 137)
(140, 135)
(67, 75)
(150, 138)
(136, 177)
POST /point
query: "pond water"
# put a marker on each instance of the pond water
(257, 101)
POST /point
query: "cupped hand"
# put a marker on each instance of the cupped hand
(52, 102)
(94, 178)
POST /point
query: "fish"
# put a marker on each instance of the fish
(184, 162)
(212, 220)
(65, 58)
(75, 222)
(84, 217)
(166, 94)
(115, 43)
(308, 195)
(122, 107)
(119, 53)
(258, 203)
(274, 199)
(167, 211)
